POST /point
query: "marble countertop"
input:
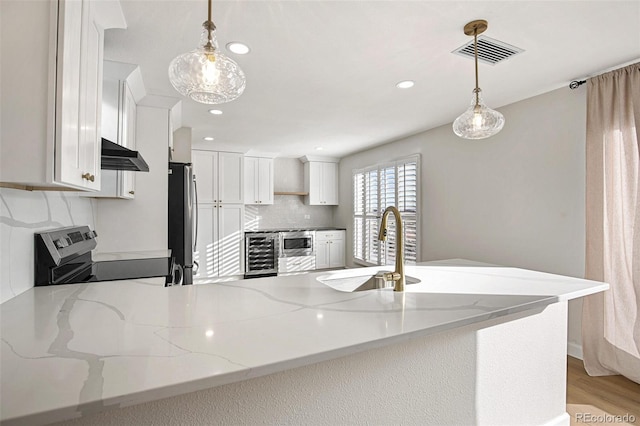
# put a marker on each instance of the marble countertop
(318, 228)
(80, 348)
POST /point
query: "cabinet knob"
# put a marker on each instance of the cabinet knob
(89, 177)
(132, 192)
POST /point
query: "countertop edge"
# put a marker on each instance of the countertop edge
(149, 395)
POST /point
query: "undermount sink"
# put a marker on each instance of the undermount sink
(361, 282)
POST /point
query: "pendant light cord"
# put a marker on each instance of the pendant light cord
(475, 51)
(210, 27)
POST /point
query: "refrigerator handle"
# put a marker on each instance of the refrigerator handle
(195, 190)
(195, 238)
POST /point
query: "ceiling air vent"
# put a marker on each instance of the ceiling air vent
(490, 51)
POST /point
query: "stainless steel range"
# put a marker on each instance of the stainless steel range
(63, 256)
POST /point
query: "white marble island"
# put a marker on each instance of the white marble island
(468, 345)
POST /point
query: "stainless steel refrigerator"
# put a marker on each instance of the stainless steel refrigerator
(183, 220)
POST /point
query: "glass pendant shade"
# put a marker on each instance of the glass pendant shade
(206, 75)
(478, 121)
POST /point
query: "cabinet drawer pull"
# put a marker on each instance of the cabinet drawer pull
(89, 177)
(132, 192)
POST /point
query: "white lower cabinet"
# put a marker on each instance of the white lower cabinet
(296, 264)
(220, 244)
(330, 249)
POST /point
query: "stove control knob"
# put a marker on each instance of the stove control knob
(61, 243)
(90, 235)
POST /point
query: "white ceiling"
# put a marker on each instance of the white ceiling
(323, 73)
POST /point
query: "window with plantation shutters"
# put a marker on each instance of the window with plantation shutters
(374, 189)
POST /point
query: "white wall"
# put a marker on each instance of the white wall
(22, 213)
(515, 199)
(181, 152)
(141, 224)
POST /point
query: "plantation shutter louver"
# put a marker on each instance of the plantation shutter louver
(375, 188)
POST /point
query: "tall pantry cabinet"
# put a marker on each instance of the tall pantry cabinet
(220, 213)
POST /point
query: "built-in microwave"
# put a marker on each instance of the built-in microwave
(296, 243)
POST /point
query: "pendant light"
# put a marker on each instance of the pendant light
(479, 121)
(206, 75)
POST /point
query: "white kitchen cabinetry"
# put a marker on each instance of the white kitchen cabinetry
(219, 176)
(329, 248)
(258, 180)
(119, 119)
(51, 138)
(296, 264)
(321, 182)
(220, 244)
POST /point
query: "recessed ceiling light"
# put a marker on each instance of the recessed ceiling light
(319, 148)
(405, 84)
(215, 111)
(238, 48)
(208, 138)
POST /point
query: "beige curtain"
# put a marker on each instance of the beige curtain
(611, 320)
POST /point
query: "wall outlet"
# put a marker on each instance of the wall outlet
(307, 216)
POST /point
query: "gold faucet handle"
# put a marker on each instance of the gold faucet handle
(391, 276)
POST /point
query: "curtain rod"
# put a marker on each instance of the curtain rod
(577, 83)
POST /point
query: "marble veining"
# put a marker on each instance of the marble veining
(75, 349)
(92, 387)
(22, 213)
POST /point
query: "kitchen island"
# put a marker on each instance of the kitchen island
(469, 344)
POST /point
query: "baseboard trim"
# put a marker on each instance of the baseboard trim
(575, 350)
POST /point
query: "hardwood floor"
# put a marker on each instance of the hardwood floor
(597, 400)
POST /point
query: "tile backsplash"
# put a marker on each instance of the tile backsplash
(22, 213)
(288, 211)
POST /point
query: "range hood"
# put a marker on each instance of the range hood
(116, 157)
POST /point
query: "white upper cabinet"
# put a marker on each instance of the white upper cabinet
(231, 178)
(321, 182)
(219, 176)
(122, 87)
(258, 180)
(51, 136)
(78, 104)
(205, 167)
